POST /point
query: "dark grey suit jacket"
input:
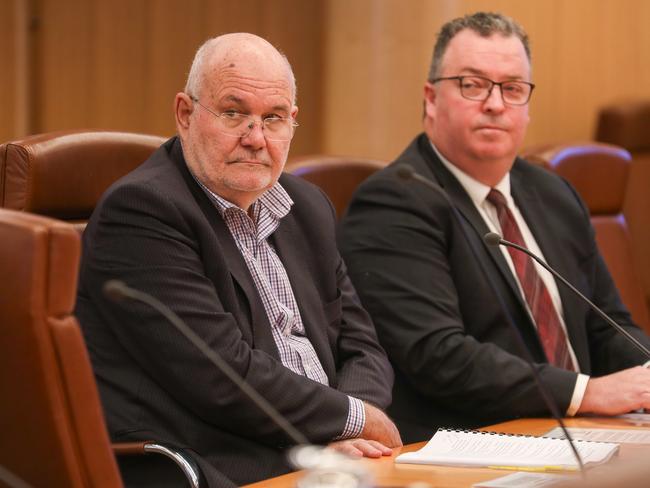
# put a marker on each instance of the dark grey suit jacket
(156, 230)
(443, 323)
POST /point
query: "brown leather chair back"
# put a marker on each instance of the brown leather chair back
(598, 171)
(63, 174)
(628, 125)
(600, 174)
(338, 177)
(52, 427)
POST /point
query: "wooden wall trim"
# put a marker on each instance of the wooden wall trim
(23, 80)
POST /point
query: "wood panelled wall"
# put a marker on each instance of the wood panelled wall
(360, 65)
(117, 64)
(14, 103)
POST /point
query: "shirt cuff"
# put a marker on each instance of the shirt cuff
(356, 420)
(578, 395)
(646, 364)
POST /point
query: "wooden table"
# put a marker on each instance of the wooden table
(388, 474)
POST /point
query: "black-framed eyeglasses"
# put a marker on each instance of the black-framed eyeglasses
(238, 125)
(479, 88)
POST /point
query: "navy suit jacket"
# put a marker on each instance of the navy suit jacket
(156, 230)
(441, 298)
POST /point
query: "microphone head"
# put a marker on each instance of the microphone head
(492, 239)
(115, 290)
(328, 468)
(405, 171)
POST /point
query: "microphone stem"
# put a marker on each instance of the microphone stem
(605, 317)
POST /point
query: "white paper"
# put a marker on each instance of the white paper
(617, 436)
(523, 480)
(472, 448)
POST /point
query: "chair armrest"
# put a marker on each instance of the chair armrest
(129, 448)
(181, 458)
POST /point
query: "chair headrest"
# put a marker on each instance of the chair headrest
(63, 174)
(337, 176)
(598, 171)
(625, 124)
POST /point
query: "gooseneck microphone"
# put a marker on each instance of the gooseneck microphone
(494, 239)
(406, 173)
(117, 291)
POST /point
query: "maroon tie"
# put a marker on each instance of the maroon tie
(550, 329)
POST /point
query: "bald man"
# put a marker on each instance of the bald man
(245, 255)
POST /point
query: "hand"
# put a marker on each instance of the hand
(361, 447)
(379, 427)
(617, 393)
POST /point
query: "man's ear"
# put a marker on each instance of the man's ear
(429, 99)
(183, 108)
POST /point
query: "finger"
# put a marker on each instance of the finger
(645, 401)
(348, 448)
(367, 449)
(385, 451)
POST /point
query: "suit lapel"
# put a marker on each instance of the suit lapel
(286, 240)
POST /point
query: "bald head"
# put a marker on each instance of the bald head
(229, 51)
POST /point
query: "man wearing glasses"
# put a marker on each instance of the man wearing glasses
(442, 300)
(246, 257)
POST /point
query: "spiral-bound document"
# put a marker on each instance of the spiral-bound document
(450, 447)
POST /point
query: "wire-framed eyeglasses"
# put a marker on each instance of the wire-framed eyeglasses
(479, 88)
(235, 124)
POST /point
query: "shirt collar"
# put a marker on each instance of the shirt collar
(476, 190)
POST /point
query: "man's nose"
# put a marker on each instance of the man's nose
(494, 102)
(255, 137)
